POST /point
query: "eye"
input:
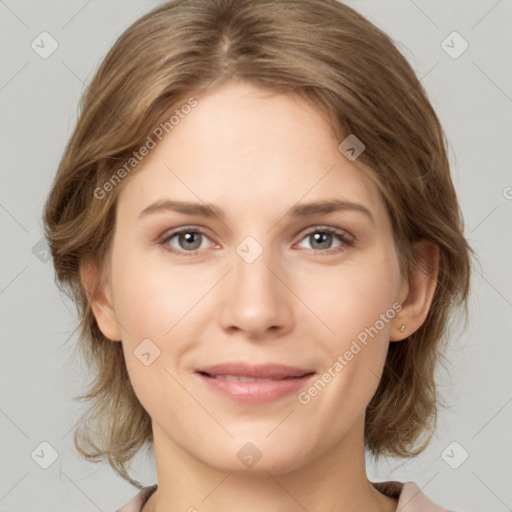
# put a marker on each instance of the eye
(321, 238)
(188, 240)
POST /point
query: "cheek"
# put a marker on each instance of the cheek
(153, 302)
(152, 296)
(349, 299)
(358, 312)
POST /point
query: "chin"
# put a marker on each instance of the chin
(245, 457)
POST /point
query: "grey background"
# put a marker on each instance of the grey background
(473, 97)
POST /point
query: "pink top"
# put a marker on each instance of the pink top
(410, 497)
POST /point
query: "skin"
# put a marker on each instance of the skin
(255, 154)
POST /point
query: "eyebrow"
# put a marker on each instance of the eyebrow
(299, 210)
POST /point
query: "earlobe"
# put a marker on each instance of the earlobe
(99, 297)
(421, 288)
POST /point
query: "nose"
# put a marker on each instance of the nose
(256, 300)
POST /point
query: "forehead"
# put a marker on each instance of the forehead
(244, 147)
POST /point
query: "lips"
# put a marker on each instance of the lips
(254, 384)
(244, 371)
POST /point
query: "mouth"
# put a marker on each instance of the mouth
(241, 378)
(269, 371)
(254, 384)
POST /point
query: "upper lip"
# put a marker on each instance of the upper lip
(267, 370)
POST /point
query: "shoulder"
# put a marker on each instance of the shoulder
(410, 497)
(138, 501)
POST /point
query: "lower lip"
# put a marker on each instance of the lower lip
(258, 392)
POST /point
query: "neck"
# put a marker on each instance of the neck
(332, 481)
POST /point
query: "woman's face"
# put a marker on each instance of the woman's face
(253, 284)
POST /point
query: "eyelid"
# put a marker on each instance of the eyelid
(329, 229)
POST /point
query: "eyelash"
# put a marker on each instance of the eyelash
(346, 241)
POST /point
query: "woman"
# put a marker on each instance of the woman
(256, 219)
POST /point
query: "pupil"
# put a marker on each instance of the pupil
(189, 239)
(319, 236)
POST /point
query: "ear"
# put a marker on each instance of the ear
(100, 298)
(417, 294)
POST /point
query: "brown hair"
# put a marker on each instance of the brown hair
(326, 52)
